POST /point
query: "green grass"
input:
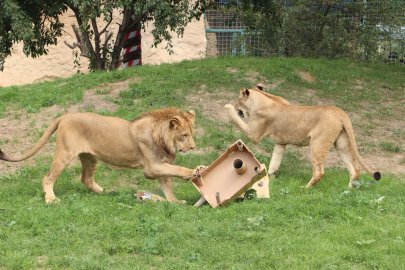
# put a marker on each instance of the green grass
(328, 227)
(390, 147)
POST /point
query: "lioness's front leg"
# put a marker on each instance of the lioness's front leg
(252, 130)
(276, 158)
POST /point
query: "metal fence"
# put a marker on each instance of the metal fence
(227, 35)
(392, 50)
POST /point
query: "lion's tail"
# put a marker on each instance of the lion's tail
(347, 124)
(47, 134)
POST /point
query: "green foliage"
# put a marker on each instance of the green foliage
(333, 29)
(168, 16)
(35, 23)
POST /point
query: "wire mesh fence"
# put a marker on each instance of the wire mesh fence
(392, 49)
(228, 35)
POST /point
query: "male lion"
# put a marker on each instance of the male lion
(259, 114)
(150, 141)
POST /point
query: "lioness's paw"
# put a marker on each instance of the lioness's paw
(229, 107)
(309, 186)
(49, 200)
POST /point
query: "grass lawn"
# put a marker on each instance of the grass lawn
(328, 227)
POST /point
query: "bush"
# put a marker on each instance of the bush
(332, 29)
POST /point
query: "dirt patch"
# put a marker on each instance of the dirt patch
(254, 78)
(358, 84)
(273, 85)
(210, 104)
(232, 70)
(381, 161)
(100, 98)
(306, 76)
(93, 102)
(20, 130)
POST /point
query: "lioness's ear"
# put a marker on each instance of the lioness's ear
(260, 86)
(244, 92)
(192, 112)
(174, 122)
(192, 115)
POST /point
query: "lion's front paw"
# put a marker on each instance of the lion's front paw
(199, 170)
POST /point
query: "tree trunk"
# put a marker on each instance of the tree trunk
(119, 40)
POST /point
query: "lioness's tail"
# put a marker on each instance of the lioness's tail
(347, 124)
(48, 132)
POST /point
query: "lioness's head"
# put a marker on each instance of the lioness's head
(173, 130)
(242, 105)
(245, 105)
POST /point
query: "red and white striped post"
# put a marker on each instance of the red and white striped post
(132, 48)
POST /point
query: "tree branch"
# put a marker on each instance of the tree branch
(96, 39)
(79, 44)
(107, 25)
(86, 38)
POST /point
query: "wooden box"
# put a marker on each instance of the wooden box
(228, 177)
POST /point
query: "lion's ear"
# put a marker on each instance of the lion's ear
(174, 122)
(244, 92)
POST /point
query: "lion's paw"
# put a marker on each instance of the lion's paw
(181, 202)
(199, 170)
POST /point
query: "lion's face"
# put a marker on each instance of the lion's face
(180, 137)
(183, 140)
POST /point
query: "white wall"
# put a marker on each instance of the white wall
(20, 69)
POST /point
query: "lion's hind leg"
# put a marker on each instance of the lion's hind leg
(319, 149)
(60, 161)
(89, 164)
(345, 152)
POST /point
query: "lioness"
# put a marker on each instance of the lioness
(259, 114)
(150, 141)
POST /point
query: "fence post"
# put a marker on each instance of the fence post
(132, 47)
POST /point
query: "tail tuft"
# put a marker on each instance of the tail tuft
(377, 176)
(1, 155)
